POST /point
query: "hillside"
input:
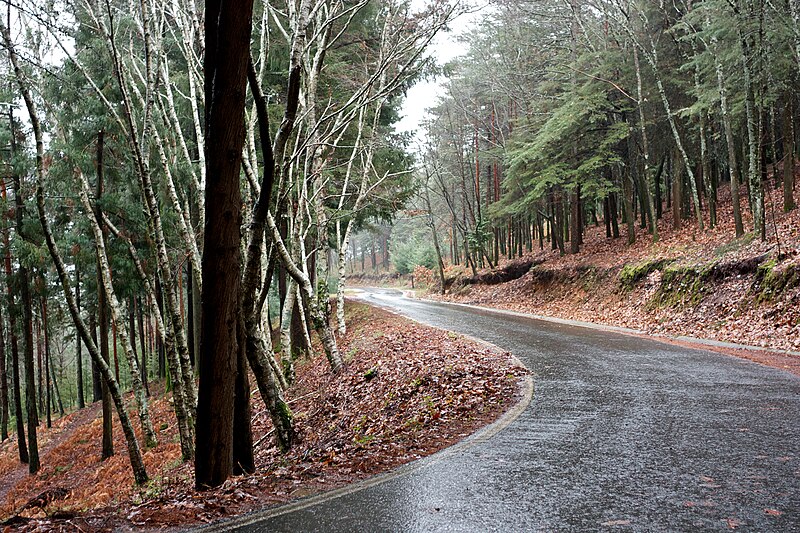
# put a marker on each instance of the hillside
(700, 284)
(406, 391)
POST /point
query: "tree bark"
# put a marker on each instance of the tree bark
(56, 390)
(286, 320)
(190, 318)
(788, 157)
(53, 394)
(627, 200)
(258, 355)
(166, 341)
(753, 174)
(4, 413)
(575, 220)
(652, 59)
(78, 344)
(227, 54)
(23, 278)
(37, 335)
(102, 315)
(134, 453)
(645, 150)
(44, 338)
(137, 307)
(243, 458)
(677, 191)
(139, 471)
(117, 314)
(97, 385)
(22, 446)
(731, 148)
(437, 248)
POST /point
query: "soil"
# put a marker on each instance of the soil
(406, 391)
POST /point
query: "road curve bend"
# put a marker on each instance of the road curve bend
(623, 434)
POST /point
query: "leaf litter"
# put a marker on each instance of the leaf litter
(405, 392)
(731, 303)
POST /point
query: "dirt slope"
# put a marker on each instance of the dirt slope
(406, 391)
(702, 284)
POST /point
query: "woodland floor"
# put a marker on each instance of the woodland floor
(406, 391)
(710, 285)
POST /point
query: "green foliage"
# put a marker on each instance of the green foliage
(574, 145)
(410, 254)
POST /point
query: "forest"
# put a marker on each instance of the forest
(188, 188)
(560, 115)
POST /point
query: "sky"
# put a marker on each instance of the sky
(425, 93)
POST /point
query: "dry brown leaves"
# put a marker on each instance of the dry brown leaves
(586, 286)
(406, 391)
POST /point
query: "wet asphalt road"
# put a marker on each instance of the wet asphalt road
(623, 434)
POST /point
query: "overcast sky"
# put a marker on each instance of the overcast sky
(425, 93)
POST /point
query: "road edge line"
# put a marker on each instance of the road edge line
(702, 342)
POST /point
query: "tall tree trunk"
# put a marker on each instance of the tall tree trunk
(132, 330)
(677, 191)
(652, 59)
(190, 318)
(614, 210)
(575, 220)
(262, 218)
(137, 303)
(753, 174)
(23, 275)
(97, 385)
(653, 219)
(258, 354)
(46, 340)
(54, 394)
(138, 140)
(102, 315)
(117, 314)
(627, 201)
(788, 156)
(37, 335)
(162, 363)
(657, 190)
(286, 322)
(23, 279)
(166, 336)
(731, 147)
(4, 413)
(22, 446)
(134, 453)
(56, 390)
(78, 344)
(341, 273)
(432, 226)
(243, 458)
(227, 53)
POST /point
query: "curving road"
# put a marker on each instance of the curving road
(622, 434)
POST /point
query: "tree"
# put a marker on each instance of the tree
(227, 32)
(4, 413)
(12, 326)
(137, 464)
